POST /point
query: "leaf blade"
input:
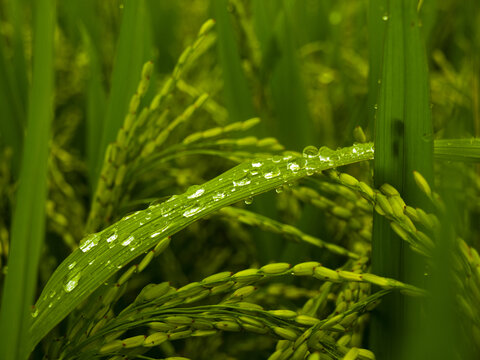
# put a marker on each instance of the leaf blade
(131, 239)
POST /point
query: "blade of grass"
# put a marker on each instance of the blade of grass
(458, 149)
(29, 214)
(132, 50)
(418, 156)
(96, 104)
(101, 255)
(237, 95)
(387, 248)
(376, 38)
(403, 139)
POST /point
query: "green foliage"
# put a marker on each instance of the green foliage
(153, 248)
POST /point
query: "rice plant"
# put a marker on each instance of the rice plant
(233, 179)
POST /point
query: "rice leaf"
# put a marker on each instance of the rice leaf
(102, 254)
(131, 54)
(237, 94)
(467, 150)
(28, 226)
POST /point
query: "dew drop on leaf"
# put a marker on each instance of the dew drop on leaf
(195, 191)
(276, 158)
(71, 282)
(192, 211)
(242, 182)
(218, 196)
(112, 237)
(34, 312)
(248, 201)
(89, 242)
(293, 166)
(128, 240)
(310, 151)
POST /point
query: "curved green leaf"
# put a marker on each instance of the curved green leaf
(102, 254)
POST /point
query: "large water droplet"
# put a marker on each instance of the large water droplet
(128, 240)
(293, 166)
(271, 174)
(195, 191)
(276, 158)
(89, 242)
(34, 312)
(242, 182)
(310, 151)
(218, 196)
(257, 164)
(112, 237)
(192, 211)
(159, 231)
(72, 282)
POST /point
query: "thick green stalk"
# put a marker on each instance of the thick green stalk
(387, 248)
(403, 142)
(28, 225)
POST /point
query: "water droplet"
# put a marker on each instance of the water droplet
(34, 312)
(276, 158)
(379, 81)
(271, 174)
(257, 164)
(310, 151)
(218, 196)
(375, 106)
(195, 191)
(52, 293)
(112, 237)
(71, 282)
(89, 242)
(248, 201)
(72, 265)
(279, 190)
(385, 17)
(159, 232)
(128, 240)
(192, 211)
(293, 166)
(242, 182)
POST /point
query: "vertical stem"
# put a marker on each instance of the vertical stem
(387, 248)
(403, 143)
(28, 225)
